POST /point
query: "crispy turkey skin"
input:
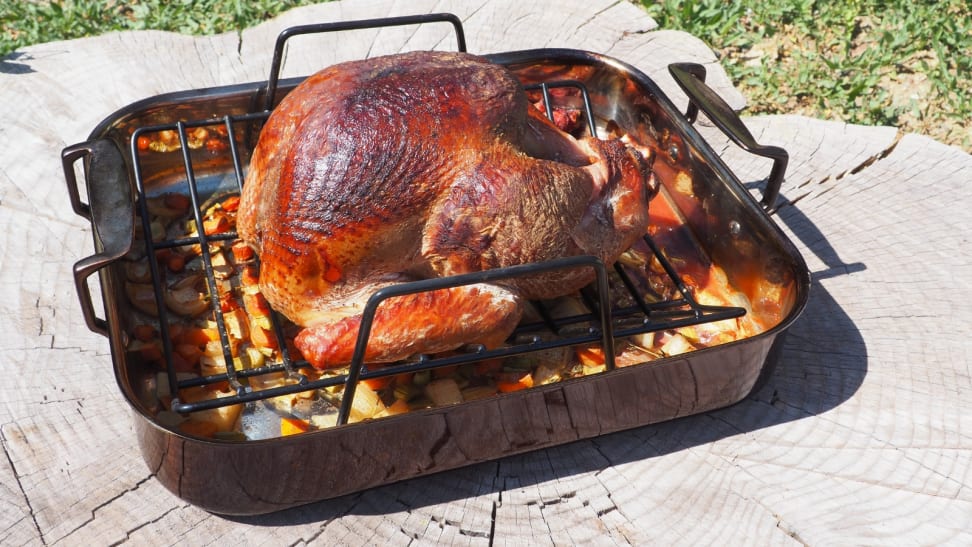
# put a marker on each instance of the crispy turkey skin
(422, 165)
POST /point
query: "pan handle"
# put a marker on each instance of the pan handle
(111, 211)
(691, 78)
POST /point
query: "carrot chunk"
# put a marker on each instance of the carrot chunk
(293, 426)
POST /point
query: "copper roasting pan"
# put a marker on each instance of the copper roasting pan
(231, 476)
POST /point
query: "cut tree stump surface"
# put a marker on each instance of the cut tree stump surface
(862, 435)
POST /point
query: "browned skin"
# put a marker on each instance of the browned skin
(422, 165)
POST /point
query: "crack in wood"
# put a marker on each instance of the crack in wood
(871, 159)
(597, 14)
(601, 512)
(492, 525)
(498, 484)
(867, 162)
(782, 525)
(473, 13)
(717, 416)
(128, 533)
(792, 201)
(879, 156)
(560, 498)
(780, 522)
(78, 400)
(408, 40)
(476, 533)
(20, 486)
(320, 530)
(412, 535)
(108, 502)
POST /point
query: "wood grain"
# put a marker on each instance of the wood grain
(863, 434)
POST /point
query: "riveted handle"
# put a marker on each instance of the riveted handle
(110, 210)
(691, 78)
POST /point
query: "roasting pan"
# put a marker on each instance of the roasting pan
(110, 178)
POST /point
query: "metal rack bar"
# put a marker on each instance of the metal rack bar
(545, 88)
(286, 34)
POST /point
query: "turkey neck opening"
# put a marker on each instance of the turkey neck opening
(543, 140)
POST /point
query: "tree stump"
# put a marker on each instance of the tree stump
(862, 434)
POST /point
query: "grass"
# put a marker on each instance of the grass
(26, 22)
(903, 63)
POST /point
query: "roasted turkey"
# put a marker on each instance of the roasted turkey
(424, 165)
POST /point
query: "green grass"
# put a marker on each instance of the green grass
(894, 62)
(26, 22)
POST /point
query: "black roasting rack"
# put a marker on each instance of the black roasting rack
(602, 322)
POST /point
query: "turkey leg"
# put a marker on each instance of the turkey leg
(425, 322)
